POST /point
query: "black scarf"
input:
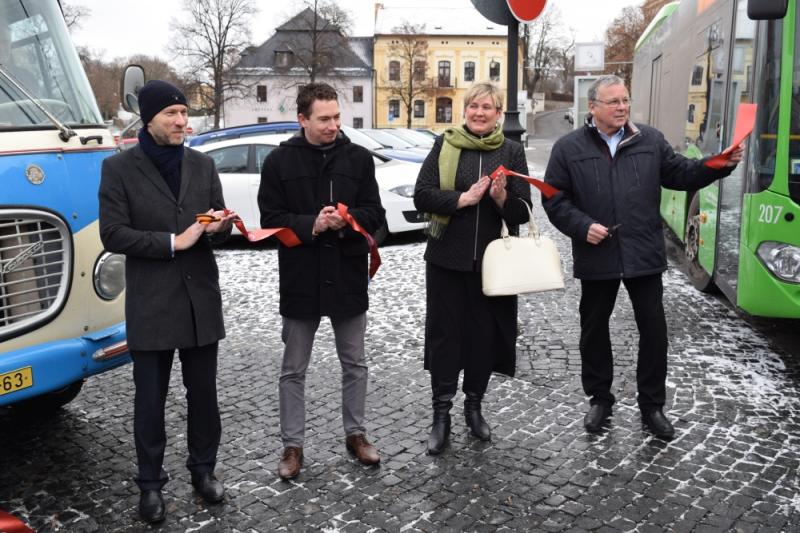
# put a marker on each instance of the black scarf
(166, 158)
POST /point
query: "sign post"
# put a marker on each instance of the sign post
(511, 14)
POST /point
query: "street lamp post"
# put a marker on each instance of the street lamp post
(512, 128)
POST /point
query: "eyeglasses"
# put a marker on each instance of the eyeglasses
(625, 102)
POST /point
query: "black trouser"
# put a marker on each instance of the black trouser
(459, 330)
(151, 370)
(597, 366)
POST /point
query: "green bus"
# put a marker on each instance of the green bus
(693, 65)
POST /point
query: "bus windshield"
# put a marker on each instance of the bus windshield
(36, 53)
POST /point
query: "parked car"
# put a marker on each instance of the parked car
(235, 132)
(359, 137)
(389, 140)
(239, 163)
(417, 139)
(428, 133)
(569, 115)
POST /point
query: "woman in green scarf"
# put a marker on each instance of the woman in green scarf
(463, 328)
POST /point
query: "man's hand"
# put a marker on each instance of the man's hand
(224, 222)
(322, 222)
(498, 190)
(186, 240)
(475, 193)
(736, 156)
(597, 233)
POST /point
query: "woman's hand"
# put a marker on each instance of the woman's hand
(475, 193)
(498, 190)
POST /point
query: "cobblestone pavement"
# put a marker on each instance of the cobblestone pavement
(732, 394)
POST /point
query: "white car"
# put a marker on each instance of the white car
(239, 163)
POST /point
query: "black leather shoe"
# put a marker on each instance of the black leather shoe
(596, 417)
(209, 487)
(151, 506)
(656, 422)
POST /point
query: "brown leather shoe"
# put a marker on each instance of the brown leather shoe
(290, 463)
(365, 452)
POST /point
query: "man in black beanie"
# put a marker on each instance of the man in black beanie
(149, 196)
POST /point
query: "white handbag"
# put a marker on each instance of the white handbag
(517, 265)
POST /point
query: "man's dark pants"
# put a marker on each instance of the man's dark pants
(151, 371)
(597, 366)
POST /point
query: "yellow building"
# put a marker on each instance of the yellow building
(456, 47)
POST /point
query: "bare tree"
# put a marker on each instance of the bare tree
(74, 14)
(564, 61)
(540, 46)
(410, 81)
(621, 37)
(211, 40)
(317, 35)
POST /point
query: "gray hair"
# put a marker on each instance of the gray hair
(603, 81)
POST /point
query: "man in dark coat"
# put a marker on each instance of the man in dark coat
(149, 196)
(610, 173)
(326, 275)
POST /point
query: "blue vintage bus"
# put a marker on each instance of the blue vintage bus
(61, 293)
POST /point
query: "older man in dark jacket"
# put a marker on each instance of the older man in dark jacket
(149, 196)
(326, 275)
(610, 173)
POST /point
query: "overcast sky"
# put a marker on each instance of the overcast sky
(121, 29)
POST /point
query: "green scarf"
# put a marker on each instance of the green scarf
(455, 140)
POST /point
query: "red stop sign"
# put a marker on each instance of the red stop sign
(526, 10)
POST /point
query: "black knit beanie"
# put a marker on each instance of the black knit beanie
(155, 96)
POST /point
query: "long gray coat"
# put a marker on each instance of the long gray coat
(171, 302)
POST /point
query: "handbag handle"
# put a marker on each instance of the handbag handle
(533, 230)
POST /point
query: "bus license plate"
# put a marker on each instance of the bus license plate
(16, 380)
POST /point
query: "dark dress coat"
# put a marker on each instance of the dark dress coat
(326, 275)
(470, 231)
(625, 190)
(171, 302)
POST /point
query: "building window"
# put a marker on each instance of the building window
(494, 71)
(261, 93)
(284, 58)
(697, 75)
(419, 70)
(358, 122)
(394, 71)
(394, 109)
(444, 74)
(262, 120)
(690, 117)
(358, 93)
(469, 71)
(444, 110)
(419, 108)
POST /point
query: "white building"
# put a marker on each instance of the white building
(276, 69)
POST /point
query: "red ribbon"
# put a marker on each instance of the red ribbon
(285, 235)
(12, 524)
(374, 256)
(745, 121)
(547, 190)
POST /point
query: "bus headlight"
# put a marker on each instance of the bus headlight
(782, 259)
(406, 191)
(109, 275)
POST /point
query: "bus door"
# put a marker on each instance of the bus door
(732, 188)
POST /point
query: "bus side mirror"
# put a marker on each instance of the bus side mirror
(132, 82)
(766, 9)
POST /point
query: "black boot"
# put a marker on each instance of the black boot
(442, 402)
(474, 418)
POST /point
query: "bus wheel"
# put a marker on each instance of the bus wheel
(381, 234)
(50, 402)
(697, 274)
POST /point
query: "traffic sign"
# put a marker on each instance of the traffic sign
(526, 10)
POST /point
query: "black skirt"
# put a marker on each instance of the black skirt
(464, 328)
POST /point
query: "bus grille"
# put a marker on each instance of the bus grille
(35, 265)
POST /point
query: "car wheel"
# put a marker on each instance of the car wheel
(697, 274)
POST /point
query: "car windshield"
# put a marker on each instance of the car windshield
(360, 138)
(387, 139)
(36, 53)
